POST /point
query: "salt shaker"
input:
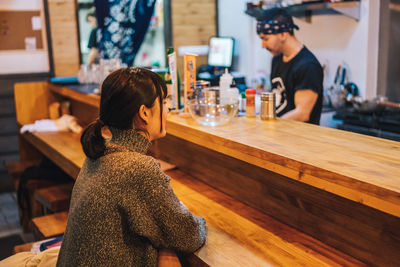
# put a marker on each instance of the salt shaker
(267, 106)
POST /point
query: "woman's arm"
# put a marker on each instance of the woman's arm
(165, 221)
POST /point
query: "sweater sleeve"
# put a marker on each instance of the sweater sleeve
(164, 220)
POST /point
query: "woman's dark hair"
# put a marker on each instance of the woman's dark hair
(123, 92)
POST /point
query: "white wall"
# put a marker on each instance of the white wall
(21, 4)
(334, 39)
(20, 61)
(249, 56)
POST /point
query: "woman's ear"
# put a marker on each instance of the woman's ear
(144, 114)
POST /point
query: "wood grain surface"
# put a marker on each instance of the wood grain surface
(55, 198)
(358, 230)
(23, 248)
(64, 36)
(360, 168)
(193, 23)
(243, 236)
(50, 225)
(32, 101)
(63, 148)
(88, 99)
(343, 188)
(233, 239)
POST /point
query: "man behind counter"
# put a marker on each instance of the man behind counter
(92, 44)
(296, 74)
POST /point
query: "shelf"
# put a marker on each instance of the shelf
(347, 8)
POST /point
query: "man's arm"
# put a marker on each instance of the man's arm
(92, 56)
(304, 101)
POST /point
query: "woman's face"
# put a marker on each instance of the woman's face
(154, 122)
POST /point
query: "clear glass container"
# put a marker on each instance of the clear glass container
(205, 107)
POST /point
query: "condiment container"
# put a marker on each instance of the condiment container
(250, 102)
(267, 106)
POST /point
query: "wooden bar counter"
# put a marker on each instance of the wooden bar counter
(338, 187)
(357, 167)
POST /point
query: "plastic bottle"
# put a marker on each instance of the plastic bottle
(232, 99)
(225, 82)
(242, 100)
(232, 95)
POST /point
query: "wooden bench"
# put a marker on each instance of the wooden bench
(50, 225)
(55, 198)
(238, 235)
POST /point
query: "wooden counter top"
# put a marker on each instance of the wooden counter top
(63, 148)
(357, 167)
(361, 168)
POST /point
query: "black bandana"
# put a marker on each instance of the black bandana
(274, 27)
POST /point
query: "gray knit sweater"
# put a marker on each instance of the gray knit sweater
(123, 210)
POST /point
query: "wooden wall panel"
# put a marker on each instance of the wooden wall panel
(31, 102)
(85, 113)
(64, 37)
(193, 23)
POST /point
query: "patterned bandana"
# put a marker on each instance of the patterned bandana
(274, 27)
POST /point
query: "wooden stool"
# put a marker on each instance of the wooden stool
(23, 248)
(55, 198)
(36, 208)
(50, 225)
(15, 170)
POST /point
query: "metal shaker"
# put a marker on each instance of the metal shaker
(267, 106)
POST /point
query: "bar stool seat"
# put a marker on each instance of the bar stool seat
(50, 225)
(54, 198)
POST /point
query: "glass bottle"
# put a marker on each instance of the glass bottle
(170, 50)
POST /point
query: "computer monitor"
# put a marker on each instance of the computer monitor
(220, 53)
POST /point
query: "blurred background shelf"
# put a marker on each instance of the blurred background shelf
(347, 8)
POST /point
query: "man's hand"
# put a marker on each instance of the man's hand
(304, 100)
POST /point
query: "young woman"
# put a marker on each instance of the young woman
(123, 210)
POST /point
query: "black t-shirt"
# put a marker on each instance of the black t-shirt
(301, 73)
(93, 38)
